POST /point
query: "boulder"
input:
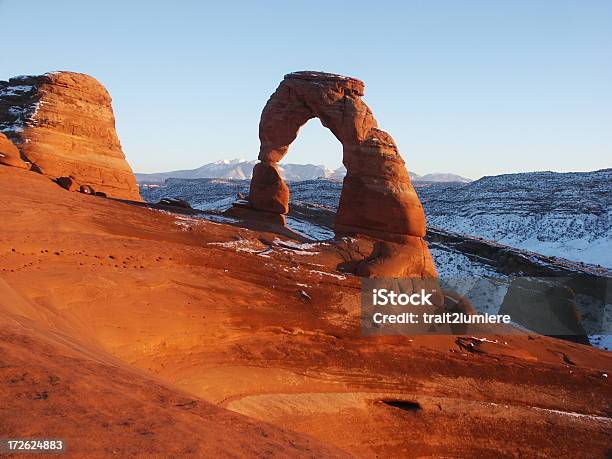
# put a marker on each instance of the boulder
(9, 154)
(268, 191)
(71, 184)
(63, 123)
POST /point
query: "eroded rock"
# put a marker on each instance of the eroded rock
(63, 123)
(377, 198)
(268, 191)
(9, 154)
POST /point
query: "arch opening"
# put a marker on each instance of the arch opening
(316, 145)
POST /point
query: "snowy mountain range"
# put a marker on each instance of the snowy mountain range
(240, 169)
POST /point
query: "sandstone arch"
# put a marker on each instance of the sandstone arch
(377, 197)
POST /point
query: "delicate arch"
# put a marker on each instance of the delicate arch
(377, 197)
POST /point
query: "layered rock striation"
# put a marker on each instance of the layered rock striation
(63, 123)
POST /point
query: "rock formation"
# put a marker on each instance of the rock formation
(377, 200)
(63, 123)
(9, 154)
(118, 336)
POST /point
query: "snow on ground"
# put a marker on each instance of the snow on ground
(484, 287)
(309, 230)
(582, 238)
(243, 245)
(21, 114)
(296, 248)
(258, 248)
(295, 245)
(218, 218)
(451, 264)
(185, 226)
(595, 252)
(591, 417)
(323, 273)
(601, 341)
(15, 90)
(219, 204)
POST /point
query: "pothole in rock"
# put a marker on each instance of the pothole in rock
(404, 405)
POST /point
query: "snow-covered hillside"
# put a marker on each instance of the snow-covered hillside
(440, 177)
(566, 215)
(202, 194)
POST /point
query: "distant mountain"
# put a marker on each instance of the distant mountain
(338, 174)
(439, 177)
(240, 169)
(226, 168)
(299, 172)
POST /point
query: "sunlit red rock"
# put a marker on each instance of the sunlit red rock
(268, 190)
(9, 154)
(63, 123)
(377, 198)
(120, 325)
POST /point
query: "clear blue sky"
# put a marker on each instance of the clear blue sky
(471, 87)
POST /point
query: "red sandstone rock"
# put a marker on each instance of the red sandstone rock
(268, 190)
(63, 123)
(377, 197)
(388, 259)
(83, 359)
(9, 154)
